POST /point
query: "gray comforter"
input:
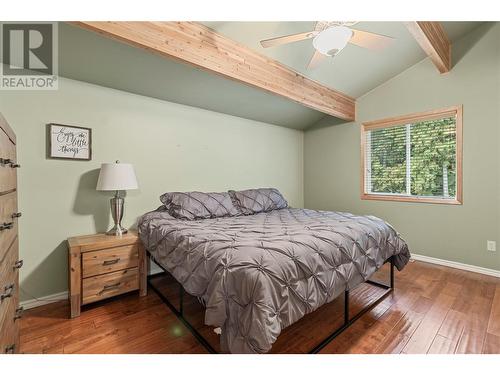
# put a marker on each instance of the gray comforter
(258, 274)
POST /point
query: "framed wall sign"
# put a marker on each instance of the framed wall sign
(69, 142)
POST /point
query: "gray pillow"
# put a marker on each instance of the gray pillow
(197, 205)
(253, 201)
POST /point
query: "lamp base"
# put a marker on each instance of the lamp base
(117, 230)
(117, 203)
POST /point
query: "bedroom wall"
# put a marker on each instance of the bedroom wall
(172, 147)
(456, 233)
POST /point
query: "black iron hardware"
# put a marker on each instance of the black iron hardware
(110, 262)
(9, 161)
(7, 292)
(16, 215)
(19, 264)
(19, 313)
(10, 349)
(348, 319)
(6, 226)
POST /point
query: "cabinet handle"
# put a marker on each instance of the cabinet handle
(8, 291)
(9, 161)
(16, 215)
(10, 349)
(19, 264)
(19, 313)
(110, 262)
(109, 287)
(6, 226)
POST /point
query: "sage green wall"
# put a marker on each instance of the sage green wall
(456, 233)
(176, 147)
(172, 146)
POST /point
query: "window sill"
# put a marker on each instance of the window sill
(402, 198)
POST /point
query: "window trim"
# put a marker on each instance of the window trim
(402, 120)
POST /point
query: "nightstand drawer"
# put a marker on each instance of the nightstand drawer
(104, 261)
(99, 287)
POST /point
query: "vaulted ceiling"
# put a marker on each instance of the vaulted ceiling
(89, 57)
(355, 70)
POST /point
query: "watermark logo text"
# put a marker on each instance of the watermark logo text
(29, 56)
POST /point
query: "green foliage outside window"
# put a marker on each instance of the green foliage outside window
(388, 166)
(432, 157)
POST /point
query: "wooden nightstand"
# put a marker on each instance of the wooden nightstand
(102, 266)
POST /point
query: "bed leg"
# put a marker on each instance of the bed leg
(181, 300)
(392, 272)
(346, 307)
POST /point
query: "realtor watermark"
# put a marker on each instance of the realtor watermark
(28, 56)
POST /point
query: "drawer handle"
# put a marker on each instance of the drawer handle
(109, 287)
(10, 349)
(18, 264)
(8, 291)
(110, 262)
(16, 215)
(9, 161)
(6, 226)
(19, 313)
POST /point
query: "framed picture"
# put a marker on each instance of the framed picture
(69, 142)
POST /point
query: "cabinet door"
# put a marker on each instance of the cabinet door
(8, 221)
(8, 160)
(9, 284)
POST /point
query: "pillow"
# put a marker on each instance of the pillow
(197, 205)
(253, 201)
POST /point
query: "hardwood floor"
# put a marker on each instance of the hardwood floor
(434, 309)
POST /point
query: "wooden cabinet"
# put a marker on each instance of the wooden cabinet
(10, 312)
(102, 266)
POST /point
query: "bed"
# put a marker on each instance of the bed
(257, 274)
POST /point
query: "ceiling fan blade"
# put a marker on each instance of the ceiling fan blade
(369, 40)
(287, 39)
(321, 25)
(316, 59)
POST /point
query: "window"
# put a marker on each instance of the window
(416, 158)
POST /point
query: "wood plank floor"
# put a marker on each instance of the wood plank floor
(434, 309)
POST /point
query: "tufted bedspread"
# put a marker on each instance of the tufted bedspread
(260, 273)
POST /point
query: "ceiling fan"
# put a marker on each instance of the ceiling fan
(329, 38)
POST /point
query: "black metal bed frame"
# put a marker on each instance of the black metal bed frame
(348, 321)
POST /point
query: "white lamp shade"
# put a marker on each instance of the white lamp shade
(116, 176)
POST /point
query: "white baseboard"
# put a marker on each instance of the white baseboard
(32, 303)
(460, 266)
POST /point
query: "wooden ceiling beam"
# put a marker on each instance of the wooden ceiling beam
(434, 41)
(200, 46)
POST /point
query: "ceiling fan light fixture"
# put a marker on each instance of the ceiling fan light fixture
(332, 40)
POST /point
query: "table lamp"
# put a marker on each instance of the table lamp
(117, 176)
